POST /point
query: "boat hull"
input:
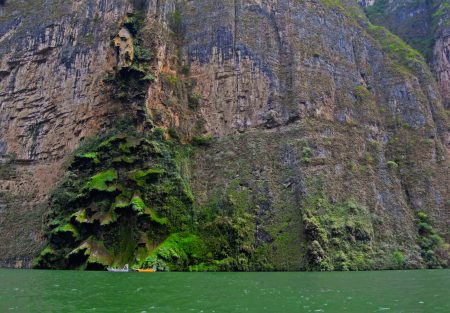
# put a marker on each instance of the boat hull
(146, 271)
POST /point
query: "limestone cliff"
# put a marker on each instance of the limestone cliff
(425, 26)
(272, 134)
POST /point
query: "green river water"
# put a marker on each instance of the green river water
(361, 292)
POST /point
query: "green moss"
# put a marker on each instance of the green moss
(434, 250)
(399, 260)
(121, 201)
(227, 226)
(47, 251)
(138, 204)
(130, 144)
(67, 228)
(92, 156)
(442, 11)
(124, 160)
(333, 4)
(205, 140)
(178, 251)
(105, 217)
(81, 216)
(94, 251)
(142, 177)
(418, 29)
(396, 48)
(149, 78)
(307, 154)
(45, 258)
(110, 142)
(338, 236)
(194, 101)
(155, 218)
(392, 165)
(113, 204)
(101, 181)
(361, 92)
(172, 80)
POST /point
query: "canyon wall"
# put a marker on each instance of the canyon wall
(327, 135)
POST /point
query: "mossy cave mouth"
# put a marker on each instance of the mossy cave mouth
(225, 141)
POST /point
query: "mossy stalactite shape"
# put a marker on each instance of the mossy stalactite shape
(116, 204)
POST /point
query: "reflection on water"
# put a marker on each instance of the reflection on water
(361, 292)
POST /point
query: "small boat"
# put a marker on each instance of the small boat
(125, 269)
(146, 270)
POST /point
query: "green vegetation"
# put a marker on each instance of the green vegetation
(361, 92)
(442, 10)
(396, 48)
(142, 212)
(392, 165)
(204, 140)
(172, 80)
(338, 236)
(126, 198)
(399, 260)
(125, 208)
(178, 251)
(227, 225)
(194, 101)
(130, 82)
(100, 181)
(307, 154)
(415, 28)
(176, 25)
(434, 250)
(377, 10)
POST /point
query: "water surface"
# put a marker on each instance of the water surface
(357, 292)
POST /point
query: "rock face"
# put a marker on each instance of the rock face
(425, 26)
(441, 50)
(331, 140)
(53, 55)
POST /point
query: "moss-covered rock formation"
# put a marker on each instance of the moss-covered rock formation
(122, 196)
(123, 201)
(338, 237)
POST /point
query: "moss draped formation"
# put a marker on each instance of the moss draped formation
(123, 200)
(121, 197)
